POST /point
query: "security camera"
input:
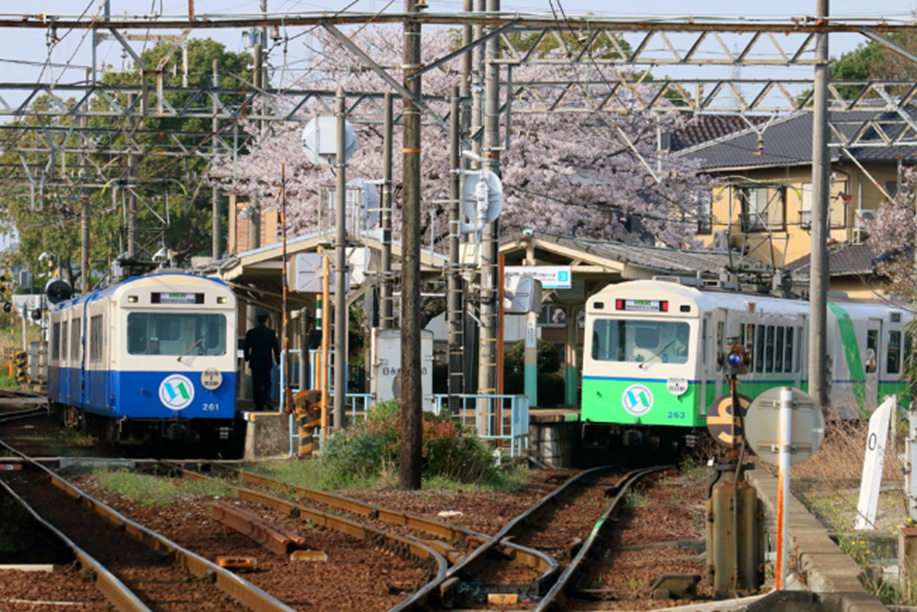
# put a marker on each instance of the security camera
(528, 232)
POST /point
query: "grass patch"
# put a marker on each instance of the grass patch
(157, 491)
(312, 474)
(65, 441)
(7, 381)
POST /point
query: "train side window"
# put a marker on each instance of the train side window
(872, 350)
(759, 354)
(63, 341)
(788, 351)
(778, 349)
(893, 355)
(95, 339)
(769, 349)
(720, 340)
(55, 342)
(75, 340)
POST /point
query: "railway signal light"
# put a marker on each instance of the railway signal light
(7, 307)
(737, 359)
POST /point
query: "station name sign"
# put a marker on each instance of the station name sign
(551, 277)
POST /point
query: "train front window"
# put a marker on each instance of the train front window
(638, 341)
(150, 333)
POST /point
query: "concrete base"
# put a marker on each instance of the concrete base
(554, 443)
(267, 434)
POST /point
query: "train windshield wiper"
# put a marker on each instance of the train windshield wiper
(196, 342)
(657, 354)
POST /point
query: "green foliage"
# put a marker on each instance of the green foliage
(547, 359)
(373, 446)
(7, 381)
(163, 178)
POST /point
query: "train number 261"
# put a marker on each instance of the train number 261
(211, 407)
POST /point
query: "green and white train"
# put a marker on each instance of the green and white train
(653, 356)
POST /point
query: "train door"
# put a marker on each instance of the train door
(871, 364)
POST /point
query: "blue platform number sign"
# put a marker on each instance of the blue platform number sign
(176, 392)
(563, 277)
(637, 400)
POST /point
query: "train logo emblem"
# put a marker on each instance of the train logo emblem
(637, 400)
(176, 392)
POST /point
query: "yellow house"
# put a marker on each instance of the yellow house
(762, 202)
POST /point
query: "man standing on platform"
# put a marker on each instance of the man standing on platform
(261, 351)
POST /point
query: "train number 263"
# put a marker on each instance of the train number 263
(676, 415)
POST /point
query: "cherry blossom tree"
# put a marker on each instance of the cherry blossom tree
(583, 174)
(893, 235)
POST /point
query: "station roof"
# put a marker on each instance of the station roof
(256, 275)
(599, 263)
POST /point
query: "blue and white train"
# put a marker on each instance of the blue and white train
(148, 361)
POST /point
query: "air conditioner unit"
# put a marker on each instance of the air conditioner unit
(864, 215)
(721, 240)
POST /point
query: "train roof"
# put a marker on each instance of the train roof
(714, 297)
(110, 290)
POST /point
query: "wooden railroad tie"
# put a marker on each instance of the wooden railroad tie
(273, 537)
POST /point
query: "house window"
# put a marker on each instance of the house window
(763, 208)
(705, 214)
(805, 207)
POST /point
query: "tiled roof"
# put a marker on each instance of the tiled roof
(662, 260)
(847, 260)
(787, 141)
(705, 128)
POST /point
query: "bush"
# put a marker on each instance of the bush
(547, 359)
(372, 446)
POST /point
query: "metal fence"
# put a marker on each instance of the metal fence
(501, 418)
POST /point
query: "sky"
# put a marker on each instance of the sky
(23, 51)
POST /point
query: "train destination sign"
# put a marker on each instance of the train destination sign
(642, 305)
(177, 298)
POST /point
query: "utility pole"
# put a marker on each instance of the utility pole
(386, 293)
(215, 130)
(411, 358)
(84, 208)
(340, 268)
(487, 382)
(821, 171)
(454, 280)
(131, 192)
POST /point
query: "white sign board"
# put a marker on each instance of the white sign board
(876, 440)
(305, 270)
(551, 277)
(387, 365)
(31, 302)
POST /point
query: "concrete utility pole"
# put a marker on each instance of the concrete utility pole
(84, 214)
(454, 300)
(215, 203)
(131, 194)
(487, 368)
(386, 293)
(340, 268)
(821, 171)
(411, 358)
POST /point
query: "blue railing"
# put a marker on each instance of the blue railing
(502, 418)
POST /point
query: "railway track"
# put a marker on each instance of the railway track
(131, 566)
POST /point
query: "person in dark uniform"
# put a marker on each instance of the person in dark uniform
(261, 351)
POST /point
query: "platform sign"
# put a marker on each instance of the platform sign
(551, 277)
(724, 423)
(807, 426)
